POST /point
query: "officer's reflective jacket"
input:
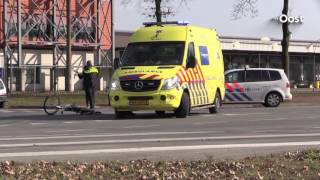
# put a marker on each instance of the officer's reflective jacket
(90, 77)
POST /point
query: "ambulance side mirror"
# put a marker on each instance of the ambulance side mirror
(116, 63)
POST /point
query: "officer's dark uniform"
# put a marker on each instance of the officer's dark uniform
(90, 81)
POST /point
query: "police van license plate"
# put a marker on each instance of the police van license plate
(139, 102)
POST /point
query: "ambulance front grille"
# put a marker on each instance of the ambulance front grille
(140, 85)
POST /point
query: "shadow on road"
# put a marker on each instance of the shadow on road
(77, 117)
(61, 117)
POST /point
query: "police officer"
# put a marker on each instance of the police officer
(90, 80)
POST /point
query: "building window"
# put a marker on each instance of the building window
(317, 68)
(33, 76)
(275, 61)
(1, 73)
(295, 69)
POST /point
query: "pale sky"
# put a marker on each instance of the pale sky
(217, 14)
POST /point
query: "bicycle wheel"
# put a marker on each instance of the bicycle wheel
(51, 104)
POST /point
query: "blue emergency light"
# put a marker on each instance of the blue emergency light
(180, 23)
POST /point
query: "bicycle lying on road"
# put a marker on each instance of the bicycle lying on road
(52, 105)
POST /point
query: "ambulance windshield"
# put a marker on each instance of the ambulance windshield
(153, 54)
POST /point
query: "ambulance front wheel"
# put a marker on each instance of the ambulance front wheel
(217, 104)
(184, 107)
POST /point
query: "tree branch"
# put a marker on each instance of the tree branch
(244, 8)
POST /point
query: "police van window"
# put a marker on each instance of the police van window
(253, 75)
(236, 76)
(274, 75)
(204, 56)
(1, 85)
(265, 75)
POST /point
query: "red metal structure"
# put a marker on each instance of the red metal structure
(43, 24)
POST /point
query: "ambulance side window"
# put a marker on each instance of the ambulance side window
(236, 76)
(204, 56)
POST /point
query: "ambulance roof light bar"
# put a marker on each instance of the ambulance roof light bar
(180, 23)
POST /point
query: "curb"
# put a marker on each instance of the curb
(41, 107)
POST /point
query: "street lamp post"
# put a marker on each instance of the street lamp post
(314, 63)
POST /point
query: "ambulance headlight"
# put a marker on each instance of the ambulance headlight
(170, 83)
(115, 84)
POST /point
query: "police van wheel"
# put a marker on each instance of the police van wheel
(1, 104)
(184, 108)
(217, 104)
(122, 114)
(273, 100)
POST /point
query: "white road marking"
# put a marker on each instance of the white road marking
(206, 123)
(107, 142)
(157, 149)
(103, 135)
(69, 130)
(146, 126)
(103, 120)
(227, 121)
(246, 114)
(147, 140)
(36, 124)
(4, 125)
(6, 111)
(71, 122)
(273, 119)
(207, 115)
(313, 117)
(263, 131)
(21, 110)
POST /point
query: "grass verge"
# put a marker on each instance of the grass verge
(77, 98)
(290, 165)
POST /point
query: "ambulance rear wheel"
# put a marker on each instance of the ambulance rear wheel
(184, 108)
(217, 104)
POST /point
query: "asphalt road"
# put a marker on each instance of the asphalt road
(245, 130)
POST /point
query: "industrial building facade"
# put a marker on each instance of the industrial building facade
(35, 56)
(34, 39)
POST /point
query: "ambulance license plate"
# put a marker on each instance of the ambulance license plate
(139, 102)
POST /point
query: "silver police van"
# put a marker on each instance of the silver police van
(3, 94)
(268, 86)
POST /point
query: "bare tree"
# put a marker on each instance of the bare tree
(244, 8)
(285, 38)
(157, 9)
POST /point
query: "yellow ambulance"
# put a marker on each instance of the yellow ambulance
(172, 66)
